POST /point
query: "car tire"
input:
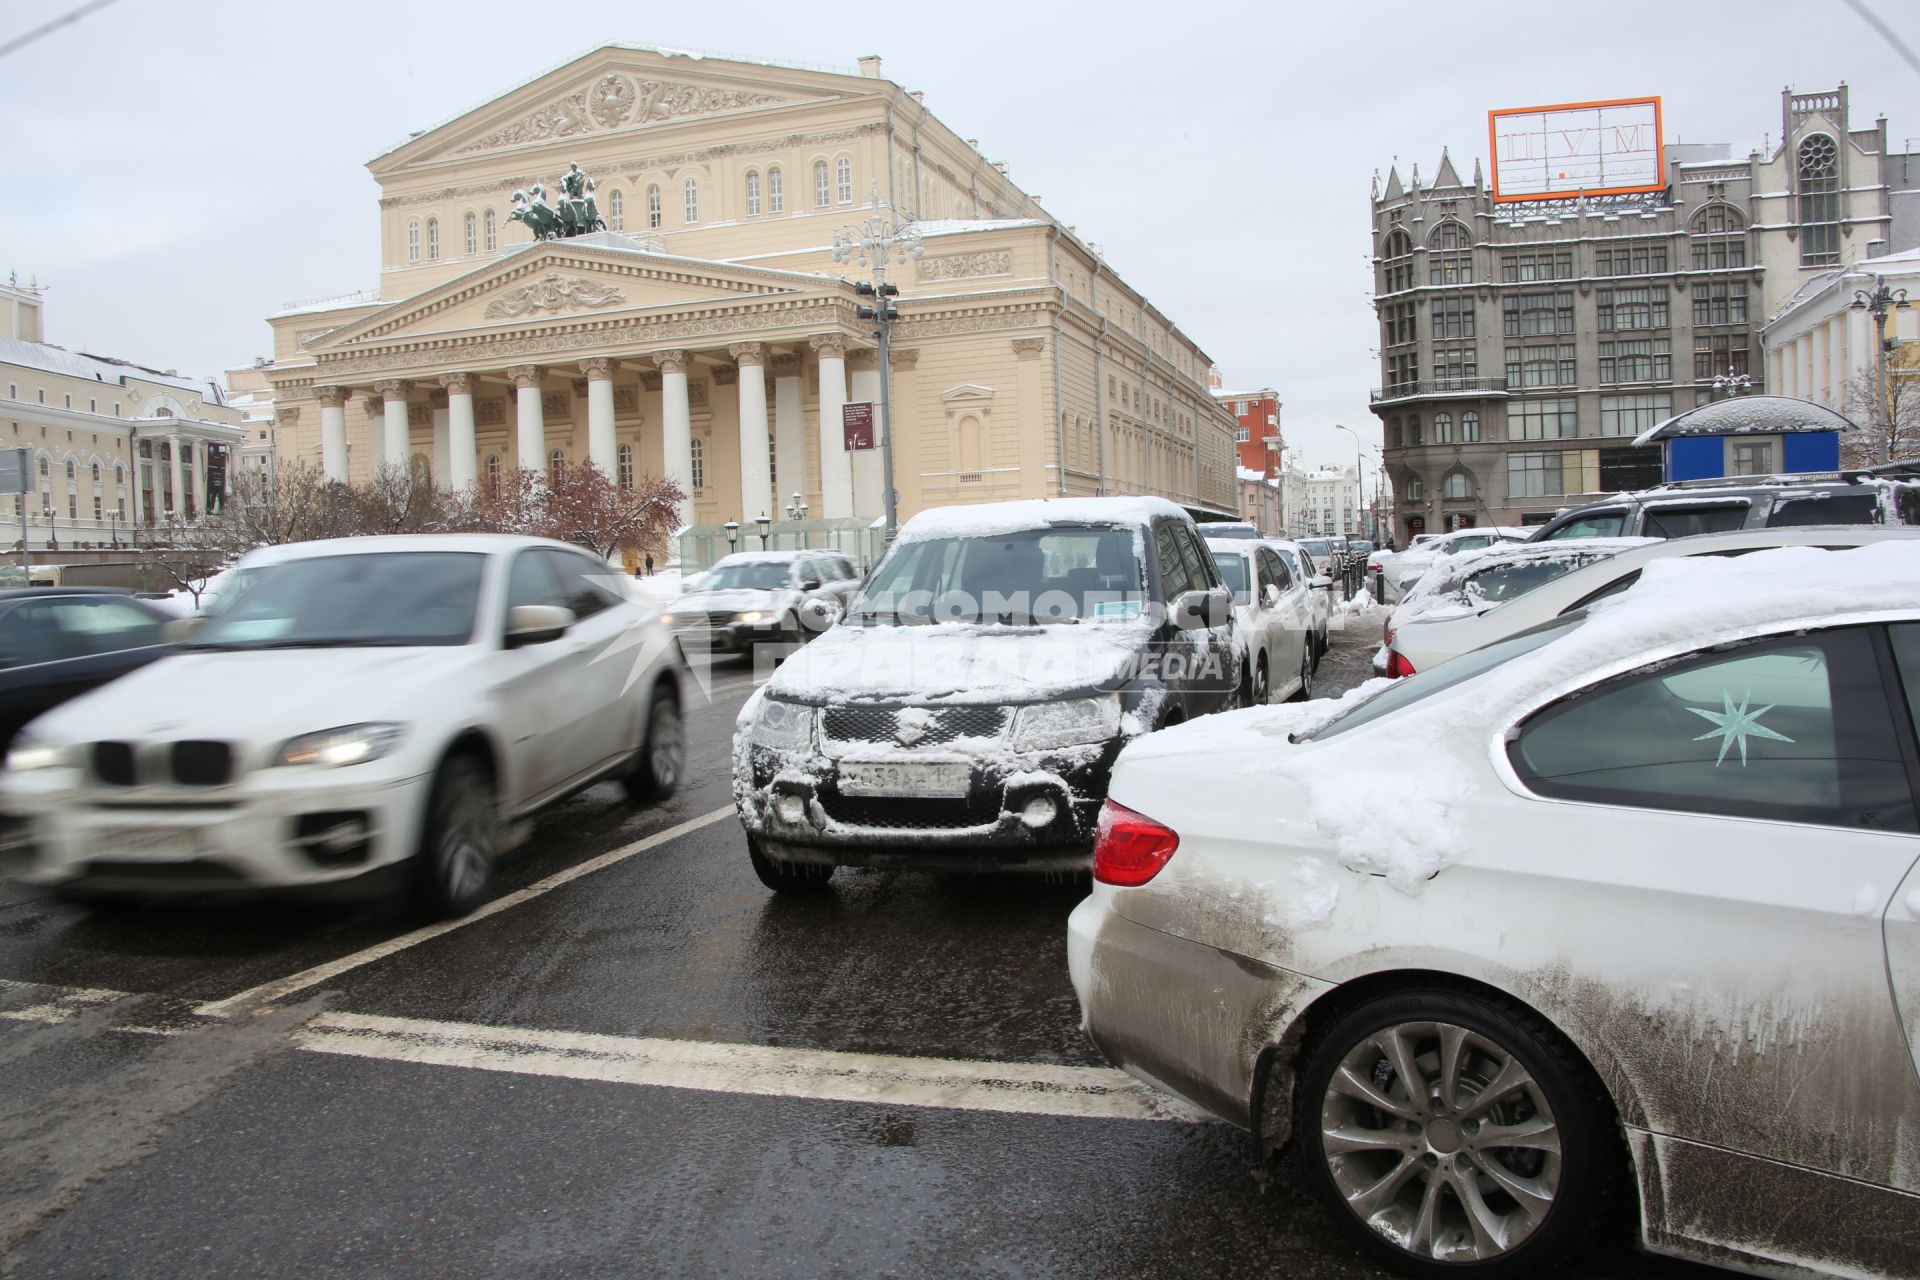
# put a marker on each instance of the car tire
(1420, 1181)
(1262, 683)
(662, 757)
(1319, 648)
(1305, 691)
(787, 877)
(453, 868)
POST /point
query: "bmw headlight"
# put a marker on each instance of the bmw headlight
(349, 744)
(751, 615)
(785, 726)
(1067, 724)
(29, 752)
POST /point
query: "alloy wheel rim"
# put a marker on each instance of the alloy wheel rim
(1441, 1141)
(664, 757)
(464, 840)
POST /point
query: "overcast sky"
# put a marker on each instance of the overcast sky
(178, 169)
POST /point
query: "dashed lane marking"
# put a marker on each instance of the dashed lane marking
(53, 1004)
(1021, 1088)
(280, 988)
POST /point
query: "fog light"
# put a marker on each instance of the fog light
(1038, 812)
(792, 810)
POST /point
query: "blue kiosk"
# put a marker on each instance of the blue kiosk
(1748, 436)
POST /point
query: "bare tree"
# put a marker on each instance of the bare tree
(582, 505)
(1887, 429)
(184, 555)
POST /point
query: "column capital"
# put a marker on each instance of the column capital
(786, 366)
(1028, 348)
(650, 381)
(598, 368)
(904, 357)
(671, 361)
(748, 352)
(579, 386)
(437, 398)
(725, 375)
(525, 376)
(457, 384)
(372, 406)
(831, 346)
(332, 397)
(863, 359)
(393, 388)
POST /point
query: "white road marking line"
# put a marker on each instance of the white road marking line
(64, 1004)
(1022, 1088)
(280, 988)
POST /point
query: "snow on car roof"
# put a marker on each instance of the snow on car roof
(765, 557)
(990, 518)
(1448, 592)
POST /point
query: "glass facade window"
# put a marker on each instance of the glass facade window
(1818, 169)
(1522, 267)
(1452, 318)
(1455, 367)
(1398, 321)
(1617, 309)
(1630, 415)
(617, 211)
(691, 192)
(1750, 457)
(1396, 267)
(822, 192)
(1718, 353)
(492, 239)
(473, 236)
(1536, 475)
(776, 191)
(843, 180)
(1630, 260)
(1637, 360)
(1469, 427)
(1529, 315)
(1543, 419)
(1443, 428)
(654, 214)
(413, 241)
(1722, 302)
(1457, 485)
(1542, 365)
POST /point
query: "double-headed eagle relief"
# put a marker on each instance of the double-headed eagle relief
(574, 214)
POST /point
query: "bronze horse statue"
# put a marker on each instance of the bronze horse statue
(577, 215)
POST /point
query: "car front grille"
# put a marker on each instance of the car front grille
(188, 763)
(910, 813)
(202, 764)
(113, 763)
(939, 725)
(719, 617)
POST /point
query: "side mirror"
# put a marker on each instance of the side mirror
(1323, 583)
(1195, 610)
(809, 584)
(1271, 594)
(536, 624)
(181, 630)
(818, 615)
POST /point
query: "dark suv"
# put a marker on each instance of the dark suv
(968, 709)
(1722, 505)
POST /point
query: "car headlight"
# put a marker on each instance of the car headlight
(751, 615)
(666, 619)
(29, 752)
(787, 726)
(349, 744)
(1067, 724)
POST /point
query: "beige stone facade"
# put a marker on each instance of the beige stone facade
(709, 336)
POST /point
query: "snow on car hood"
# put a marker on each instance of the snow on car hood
(960, 662)
(735, 598)
(255, 696)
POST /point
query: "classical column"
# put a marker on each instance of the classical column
(530, 417)
(756, 484)
(789, 432)
(134, 474)
(463, 463)
(197, 477)
(175, 505)
(394, 447)
(836, 468)
(676, 428)
(333, 432)
(441, 426)
(863, 380)
(602, 450)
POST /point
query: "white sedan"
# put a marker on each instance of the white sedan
(363, 710)
(1273, 621)
(1639, 920)
(1394, 574)
(1423, 641)
(1300, 563)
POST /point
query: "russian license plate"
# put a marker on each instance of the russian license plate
(946, 778)
(147, 842)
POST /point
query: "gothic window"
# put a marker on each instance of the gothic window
(1443, 428)
(1396, 268)
(617, 206)
(692, 194)
(433, 239)
(473, 236)
(653, 207)
(1416, 489)
(1819, 171)
(753, 193)
(413, 240)
(1451, 259)
(697, 463)
(776, 193)
(821, 190)
(1719, 238)
(1457, 485)
(1469, 427)
(492, 242)
(843, 180)
(624, 466)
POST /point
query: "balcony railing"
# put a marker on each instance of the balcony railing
(1438, 387)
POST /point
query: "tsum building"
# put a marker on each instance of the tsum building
(708, 335)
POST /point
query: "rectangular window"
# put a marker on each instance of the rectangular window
(1715, 354)
(1631, 309)
(1549, 365)
(1535, 475)
(1454, 367)
(1750, 458)
(1630, 259)
(1630, 469)
(1719, 254)
(1724, 302)
(1630, 415)
(1533, 314)
(1522, 267)
(1543, 419)
(1452, 318)
(1639, 360)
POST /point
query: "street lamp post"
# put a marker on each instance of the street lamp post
(1359, 468)
(764, 521)
(1732, 383)
(1877, 303)
(733, 534)
(871, 243)
(797, 512)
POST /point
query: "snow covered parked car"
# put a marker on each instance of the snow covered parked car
(967, 710)
(1726, 503)
(1273, 621)
(1301, 564)
(354, 708)
(1421, 643)
(755, 598)
(1396, 573)
(1642, 923)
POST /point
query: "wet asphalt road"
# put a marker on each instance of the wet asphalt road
(499, 1098)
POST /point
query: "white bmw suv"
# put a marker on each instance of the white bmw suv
(394, 705)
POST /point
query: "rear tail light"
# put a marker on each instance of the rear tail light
(1129, 848)
(1397, 665)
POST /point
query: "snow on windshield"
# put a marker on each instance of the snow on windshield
(1051, 574)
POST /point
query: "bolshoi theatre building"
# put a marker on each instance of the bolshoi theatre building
(708, 334)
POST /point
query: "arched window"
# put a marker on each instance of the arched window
(96, 471)
(1469, 427)
(1395, 438)
(691, 195)
(413, 240)
(556, 464)
(433, 239)
(624, 466)
(821, 184)
(1457, 485)
(1413, 431)
(697, 463)
(654, 216)
(1819, 173)
(491, 240)
(843, 179)
(493, 471)
(1416, 489)
(753, 193)
(421, 470)
(1396, 266)
(773, 460)
(1451, 259)
(473, 235)
(1443, 428)
(776, 194)
(617, 207)
(1718, 237)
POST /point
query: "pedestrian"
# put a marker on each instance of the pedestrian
(649, 564)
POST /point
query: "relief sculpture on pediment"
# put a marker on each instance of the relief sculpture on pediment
(552, 294)
(557, 120)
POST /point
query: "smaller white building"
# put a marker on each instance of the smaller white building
(1322, 501)
(1820, 347)
(1262, 501)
